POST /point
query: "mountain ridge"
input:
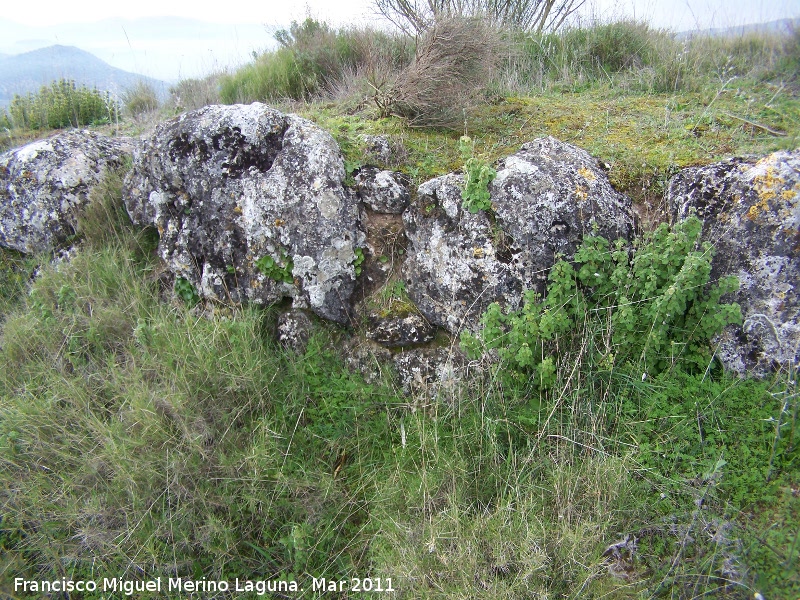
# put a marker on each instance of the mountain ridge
(27, 72)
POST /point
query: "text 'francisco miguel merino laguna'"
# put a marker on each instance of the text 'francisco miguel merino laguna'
(130, 587)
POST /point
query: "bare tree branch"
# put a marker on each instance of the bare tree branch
(416, 16)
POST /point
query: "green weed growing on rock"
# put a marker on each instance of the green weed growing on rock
(477, 176)
(186, 291)
(279, 270)
(652, 306)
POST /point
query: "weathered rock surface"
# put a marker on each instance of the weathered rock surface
(423, 372)
(384, 150)
(398, 332)
(294, 329)
(45, 185)
(250, 206)
(368, 358)
(383, 191)
(430, 372)
(545, 198)
(751, 213)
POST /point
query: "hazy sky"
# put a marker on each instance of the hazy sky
(230, 35)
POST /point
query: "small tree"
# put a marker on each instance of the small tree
(417, 16)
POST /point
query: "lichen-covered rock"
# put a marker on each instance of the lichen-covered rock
(367, 358)
(431, 372)
(250, 205)
(401, 331)
(383, 191)
(294, 329)
(751, 213)
(545, 198)
(383, 149)
(45, 185)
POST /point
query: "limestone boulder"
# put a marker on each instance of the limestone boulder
(751, 213)
(385, 192)
(294, 329)
(250, 206)
(383, 149)
(545, 198)
(435, 372)
(45, 185)
(400, 331)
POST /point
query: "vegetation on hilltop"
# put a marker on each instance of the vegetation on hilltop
(145, 435)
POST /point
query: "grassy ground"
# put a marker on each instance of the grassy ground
(139, 439)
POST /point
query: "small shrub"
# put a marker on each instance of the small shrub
(453, 65)
(63, 104)
(623, 45)
(656, 310)
(277, 269)
(359, 260)
(186, 291)
(191, 94)
(313, 59)
(140, 99)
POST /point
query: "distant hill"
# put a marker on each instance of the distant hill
(782, 26)
(166, 48)
(28, 72)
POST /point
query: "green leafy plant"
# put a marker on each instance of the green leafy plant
(359, 252)
(656, 310)
(278, 269)
(477, 176)
(186, 291)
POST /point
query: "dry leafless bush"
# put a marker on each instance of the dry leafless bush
(381, 58)
(417, 16)
(454, 62)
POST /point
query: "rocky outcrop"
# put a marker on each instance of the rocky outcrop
(545, 198)
(45, 185)
(400, 331)
(384, 150)
(751, 213)
(423, 372)
(294, 329)
(250, 207)
(431, 372)
(383, 191)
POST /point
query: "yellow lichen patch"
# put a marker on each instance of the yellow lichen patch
(788, 194)
(758, 208)
(478, 253)
(586, 174)
(766, 184)
(279, 222)
(237, 210)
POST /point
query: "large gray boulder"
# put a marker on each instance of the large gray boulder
(250, 205)
(751, 213)
(45, 185)
(545, 198)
